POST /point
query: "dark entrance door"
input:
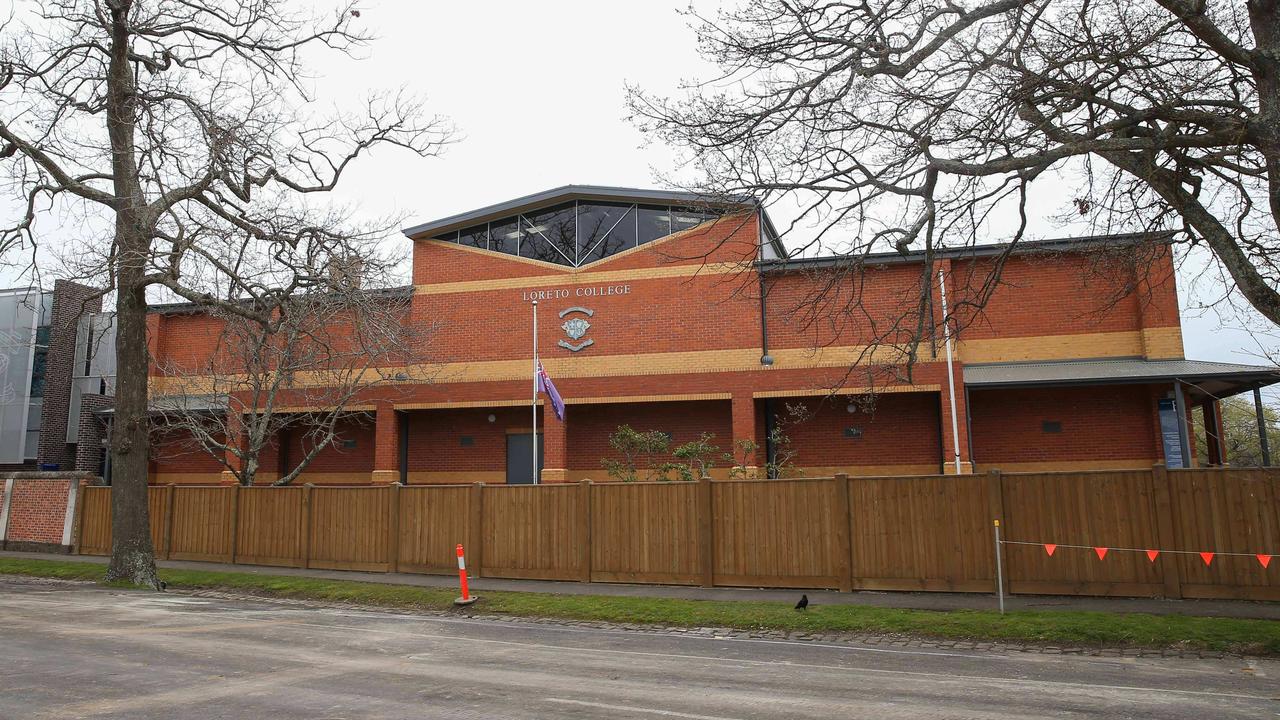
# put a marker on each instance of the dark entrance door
(520, 458)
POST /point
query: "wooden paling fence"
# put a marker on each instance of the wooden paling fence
(926, 533)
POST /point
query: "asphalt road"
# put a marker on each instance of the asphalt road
(76, 650)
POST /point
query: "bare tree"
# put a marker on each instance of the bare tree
(918, 125)
(183, 123)
(290, 371)
(1240, 442)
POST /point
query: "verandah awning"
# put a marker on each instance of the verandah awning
(1201, 378)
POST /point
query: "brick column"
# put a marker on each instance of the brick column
(70, 302)
(386, 445)
(235, 438)
(155, 328)
(1157, 297)
(555, 446)
(962, 426)
(744, 428)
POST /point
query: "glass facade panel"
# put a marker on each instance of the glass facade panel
(548, 231)
(20, 312)
(685, 218)
(504, 236)
(654, 223)
(477, 237)
(578, 233)
(604, 230)
(533, 245)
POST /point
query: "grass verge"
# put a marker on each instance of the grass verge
(1058, 627)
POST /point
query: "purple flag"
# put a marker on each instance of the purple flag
(545, 385)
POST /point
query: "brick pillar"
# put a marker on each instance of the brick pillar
(555, 446)
(70, 302)
(155, 328)
(235, 438)
(386, 445)
(744, 428)
(1157, 297)
(962, 427)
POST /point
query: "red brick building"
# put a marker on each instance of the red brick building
(664, 315)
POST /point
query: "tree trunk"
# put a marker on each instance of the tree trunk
(132, 555)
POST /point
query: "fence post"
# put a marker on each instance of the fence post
(1162, 493)
(168, 522)
(233, 525)
(304, 526)
(842, 547)
(393, 527)
(475, 530)
(706, 536)
(584, 515)
(995, 504)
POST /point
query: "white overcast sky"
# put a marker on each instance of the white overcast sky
(536, 90)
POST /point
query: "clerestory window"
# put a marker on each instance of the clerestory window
(577, 233)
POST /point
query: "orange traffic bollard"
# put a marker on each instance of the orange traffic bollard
(467, 598)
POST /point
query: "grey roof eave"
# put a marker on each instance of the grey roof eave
(1118, 372)
(565, 193)
(180, 308)
(1241, 379)
(1055, 245)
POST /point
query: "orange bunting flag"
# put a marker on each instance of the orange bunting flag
(1152, 555)
(1207, 557)
(1050, 547)
(1102, 553)
(1265, 560)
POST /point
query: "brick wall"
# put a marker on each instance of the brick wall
(1058, 295)
(355, 461)
(93, 429)
(454, 442)
(176, 452)
(690, 328)
(34, 508)
(591, 425)
(37, 511)
(900, 430)
(1110, 426)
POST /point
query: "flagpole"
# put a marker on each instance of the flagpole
(535, 393)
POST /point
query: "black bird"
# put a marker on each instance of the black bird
(164, 586)
(804, 603)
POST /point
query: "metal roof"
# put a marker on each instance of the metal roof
(565, 193)
(1047, 247)
(160, 404)
(1215, 378)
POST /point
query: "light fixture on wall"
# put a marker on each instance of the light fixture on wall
(851, 408)
(493, 418)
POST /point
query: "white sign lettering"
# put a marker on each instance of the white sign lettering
(588, 291)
